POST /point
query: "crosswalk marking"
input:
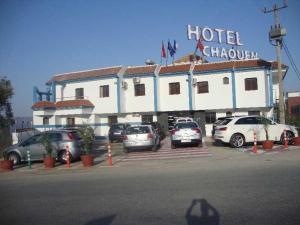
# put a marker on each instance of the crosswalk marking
(165, 152)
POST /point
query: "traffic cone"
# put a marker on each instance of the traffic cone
(285, 140)
(109, 160)
(254, 148)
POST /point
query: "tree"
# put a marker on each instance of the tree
(6, 114)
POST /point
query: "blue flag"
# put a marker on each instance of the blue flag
(175, 46)
(171, 50)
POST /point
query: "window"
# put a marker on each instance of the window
(250, 84)
(210, 117)
(112, 120)
(202, 87)
(45, 120)
(174, 88)
(147, 118)
(104, 91)
(295, 110)
(70, 122)
(225, 80)
(139, 89)
(254, 113)
(54, 136)
(247, 120)
(228, 113)
(79, 93)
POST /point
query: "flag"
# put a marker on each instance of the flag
(175, 46)
(200, 45)
(171, 50)
(163, 51)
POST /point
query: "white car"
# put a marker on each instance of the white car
(239, 130)
(186, 133)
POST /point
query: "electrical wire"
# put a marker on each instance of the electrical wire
(291, 59)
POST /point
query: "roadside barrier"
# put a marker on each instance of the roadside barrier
(68, 156)
(285, 140)
(109, 160)
(28, 159)
(254, 148)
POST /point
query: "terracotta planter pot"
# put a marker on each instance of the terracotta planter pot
(7, 164)
(49, 162)
(87, 160)
(267, 145)
(296, 140)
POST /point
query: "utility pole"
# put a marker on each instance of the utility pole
(276, 34)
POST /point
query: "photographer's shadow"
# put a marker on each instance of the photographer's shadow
(202, 213)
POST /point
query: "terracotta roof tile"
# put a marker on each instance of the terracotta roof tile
(86, 74)
(235, 64)
(175, 68)
(140, 70)
(74, 103)
(43, 104)
(275, 64)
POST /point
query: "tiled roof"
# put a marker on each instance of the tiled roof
(275, 64)
(234, 64)
(140, 70)
(86, 74)
(175, 68)
(43, 104)
(63, 104)
(74, 103)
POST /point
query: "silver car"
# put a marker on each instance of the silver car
(59, 139)
(141, 137)
(186, 133)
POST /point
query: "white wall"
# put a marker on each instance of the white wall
(219, 95)
(253, 98)
(92, 93)
(139, 103)
(173, 102)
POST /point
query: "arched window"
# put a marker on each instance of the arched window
(225, 80)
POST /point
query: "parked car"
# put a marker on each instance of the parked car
(220, 121)
(157, 127)
(116, 132)
(59, 140)
(186, 133)
(141, 137)
(239, 130)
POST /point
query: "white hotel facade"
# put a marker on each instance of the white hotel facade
(205, 92)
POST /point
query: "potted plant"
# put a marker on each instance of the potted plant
(267, 144)
(49, 160)
(6, 164)
(87, 136)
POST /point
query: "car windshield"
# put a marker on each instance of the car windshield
(138, 130)
(185, 125)
(117, 127)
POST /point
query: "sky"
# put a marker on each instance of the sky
(43, 38)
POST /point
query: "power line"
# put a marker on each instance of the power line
(291, 59)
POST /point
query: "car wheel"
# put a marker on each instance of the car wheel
(154, 148)
(15, 158)
(237, 141)
(199, 145)
(289, 135)
(62, 157)
(173, 145)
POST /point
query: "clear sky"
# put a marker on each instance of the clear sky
(41, 38)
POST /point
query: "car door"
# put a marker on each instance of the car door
(247, 126)
(35, 147)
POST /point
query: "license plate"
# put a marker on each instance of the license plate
(186, 140)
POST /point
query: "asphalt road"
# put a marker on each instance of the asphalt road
(229, 188)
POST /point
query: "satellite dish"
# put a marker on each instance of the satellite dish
(149, 62)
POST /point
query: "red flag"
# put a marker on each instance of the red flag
(200, 45)
(163, 51)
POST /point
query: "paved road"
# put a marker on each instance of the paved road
(230, 188)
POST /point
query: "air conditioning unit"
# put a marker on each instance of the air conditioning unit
(136, 80)
(194, 81)
(124, 85)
